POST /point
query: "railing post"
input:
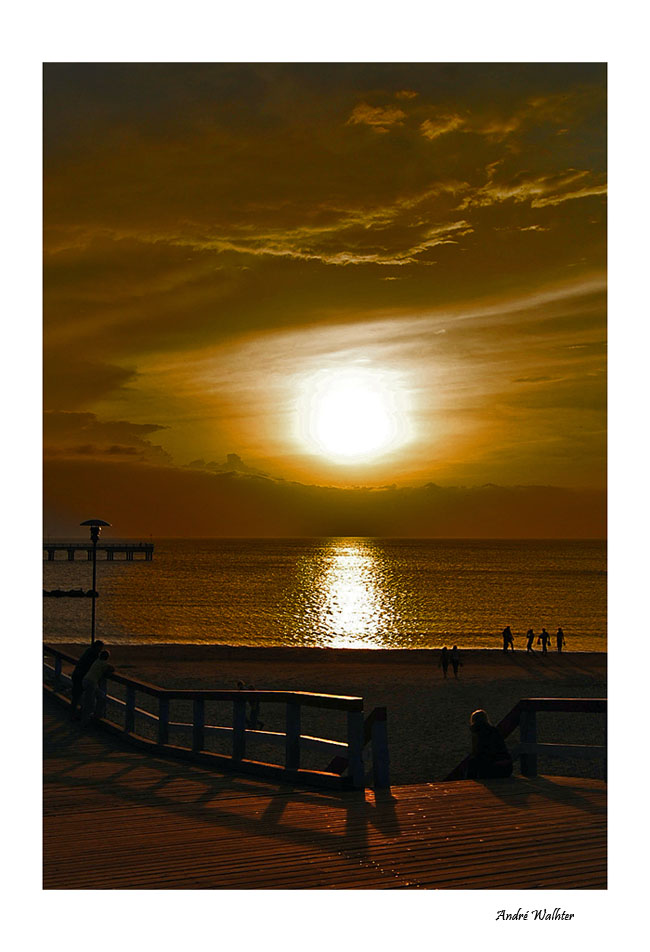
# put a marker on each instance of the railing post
(292, 742)
(355, 749)
(57, 673)
(379, 740)
(129, 713)
(163, 720)
(198, 723)
(100, 703)
(528, 735)
(239, 729)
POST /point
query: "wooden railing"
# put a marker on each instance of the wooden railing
(524, 716)
(349, 773)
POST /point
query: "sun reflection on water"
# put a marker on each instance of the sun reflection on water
(350, 597)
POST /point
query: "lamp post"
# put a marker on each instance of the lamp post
(95, 529)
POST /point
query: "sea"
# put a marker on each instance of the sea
(336, 593)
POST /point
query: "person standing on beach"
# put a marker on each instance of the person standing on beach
(81, 668)
(560, 640)
(98, 670)
(444, 660)
(531, 637)
(508, 639)
(543, 640)
(455, 660)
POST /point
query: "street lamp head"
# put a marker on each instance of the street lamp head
(95, 527)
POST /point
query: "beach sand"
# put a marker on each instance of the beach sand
(427, 715)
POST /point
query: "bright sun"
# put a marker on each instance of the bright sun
(353, 415)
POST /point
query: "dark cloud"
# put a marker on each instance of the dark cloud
(233, 464)
(166, 501)
(70, 381)
(63, 430)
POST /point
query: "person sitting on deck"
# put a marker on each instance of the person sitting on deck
(81, 668)
(98, 670)
(490, 757)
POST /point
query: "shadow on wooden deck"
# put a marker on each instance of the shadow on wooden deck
(117, 819)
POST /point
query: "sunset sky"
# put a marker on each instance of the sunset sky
(315, 299)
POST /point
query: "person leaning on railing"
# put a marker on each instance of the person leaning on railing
(490, 756)
(81, 668)
(98, 670)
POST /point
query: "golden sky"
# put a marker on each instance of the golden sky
(272, 291)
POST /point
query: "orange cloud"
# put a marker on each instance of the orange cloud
(380, 118)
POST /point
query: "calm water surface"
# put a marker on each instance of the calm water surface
(342, 593)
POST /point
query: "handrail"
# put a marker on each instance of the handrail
(292, 738)
(523, 715)
(305, 698)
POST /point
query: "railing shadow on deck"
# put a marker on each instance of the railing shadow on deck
(213, 796)
(345, 771)
(524, 716)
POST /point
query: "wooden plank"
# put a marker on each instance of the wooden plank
(129, 714)
(355, 749)
(239, 728)
(528, 739)
(566, 705)
(567, 751)
(292, 741)
(163, 721)
(380, 758)
(198, 726)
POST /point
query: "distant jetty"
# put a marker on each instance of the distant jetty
(128, 549)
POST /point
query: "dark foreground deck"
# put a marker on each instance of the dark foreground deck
(115, 819)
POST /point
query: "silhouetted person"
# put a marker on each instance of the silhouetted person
(560, 640)
(508, 640)
(455, 660)
(530, 639)
(80, 670)
(444, 661)
(98, 670)
(543, 640)
(490, 756)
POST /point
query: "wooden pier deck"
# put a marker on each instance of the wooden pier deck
(116, 819)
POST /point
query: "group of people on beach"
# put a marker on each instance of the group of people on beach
(452, 657)
(544, 639)
(91, 668)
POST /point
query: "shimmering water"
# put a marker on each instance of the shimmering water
(342, 593)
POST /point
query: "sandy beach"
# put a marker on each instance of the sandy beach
(427, 715)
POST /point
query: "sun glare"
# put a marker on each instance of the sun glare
(353, 415)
